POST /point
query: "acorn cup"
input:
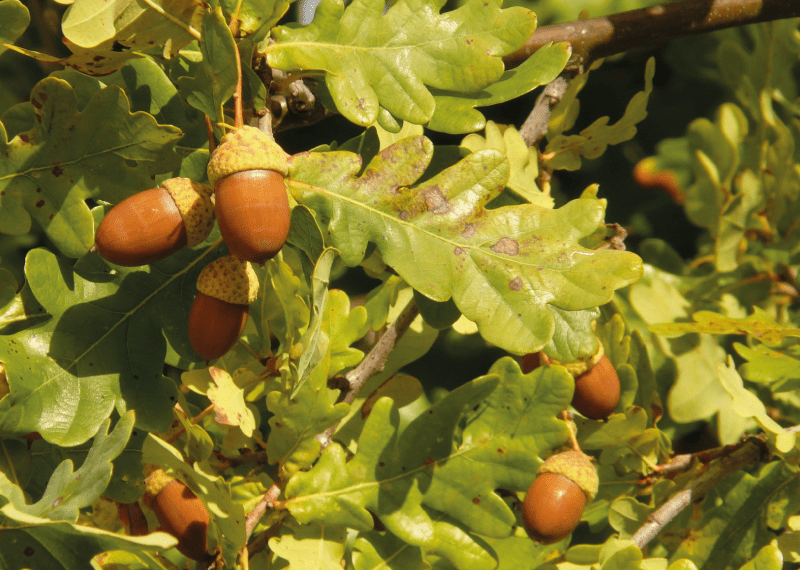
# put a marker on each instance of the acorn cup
(225, 289)
(554, 504)
(180, 513)
(247, 172)
(154, 224)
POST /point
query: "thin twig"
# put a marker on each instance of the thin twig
(751, 451)
(267, 502)
(374, 361)
(600, 37)
(534, 128)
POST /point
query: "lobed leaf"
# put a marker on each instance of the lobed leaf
(373, 60)
(104, 347)
(103, 151)
(565, 151)
(310, 547)
(502, 267)
(759, 325)
(524, 161)
(212, 81)
(456, 113)
(103, 35)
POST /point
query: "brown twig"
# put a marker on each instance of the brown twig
(267, 502)
(534, 128)
(723, 461)
(600, 37)
(374, 361)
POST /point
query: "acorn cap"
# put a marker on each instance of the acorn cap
(246, 148)
(578, 468)
(194, 203)
(154, 483)
(229, 279)
(582, 366)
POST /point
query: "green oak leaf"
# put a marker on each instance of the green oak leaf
(759, 325)
(373, 60)
(573, 335)
(103, 35)
(315, 341)
(303, 410)
(213, 80)
(392, 476)
(384, 550)
(747, 404)
(524, 161)
(256, 16)
(564, 152)
(781, 370)
(456, 113)
(103, 151)
(227, 520)
(768, 558)
(344, 325)
(14, 20)
(67, 491)
(502, 267)
(104, 347)
(44, 544)
(226, 397)
(625, 441)
(310, 547)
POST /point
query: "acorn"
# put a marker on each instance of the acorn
(226, 287)
(247, 172)
(156, 223)
(554, 504)
(180, 513)
(597, 390)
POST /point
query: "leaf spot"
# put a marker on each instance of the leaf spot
(436, 202)
(37, 104)
(476, 500)
(39, 203)
(57, 170)
(506, 246)
(458, 250)
(515, 284)
(469, 231)
(29, 551)
(57, 502)
(403, 215)
(24, 138)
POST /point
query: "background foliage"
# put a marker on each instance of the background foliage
(416, 193)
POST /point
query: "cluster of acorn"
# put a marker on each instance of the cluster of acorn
(247, 196)
(567, 482)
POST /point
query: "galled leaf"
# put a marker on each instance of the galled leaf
(374, 60)
(439, 237)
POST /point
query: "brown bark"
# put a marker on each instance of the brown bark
(600, 37)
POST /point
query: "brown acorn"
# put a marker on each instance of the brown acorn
(156, 223)
(554, 504)
(597, 390)
(226, 287)
(247, 172)
(180, 513)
